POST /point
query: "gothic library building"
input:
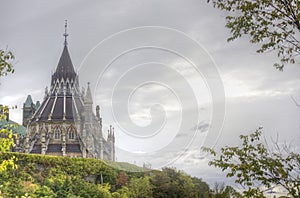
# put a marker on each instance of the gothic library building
(64, 123)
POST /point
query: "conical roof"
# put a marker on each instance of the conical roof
(61, 104)
(65, 67)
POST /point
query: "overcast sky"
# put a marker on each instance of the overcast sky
(161, 72)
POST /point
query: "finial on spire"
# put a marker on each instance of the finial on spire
(65, 34)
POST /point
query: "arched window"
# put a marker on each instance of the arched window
(71, 134)
(57, 134)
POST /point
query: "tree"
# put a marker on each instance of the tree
(6, 66)
(253, 165)
(230, 192)
(122, 193)
(44, 191)
(161, 184)
(140, 187)
(219, 188)
(220, 191)
(6, 136)
(274, 24)
(201, 187)
(173, 183)
(122, 179)
(181, 184)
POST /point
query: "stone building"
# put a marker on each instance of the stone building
(29, 109)
(64, 124)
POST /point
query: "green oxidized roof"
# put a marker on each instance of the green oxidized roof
(37, 105)
(15, 127)
(28, 101)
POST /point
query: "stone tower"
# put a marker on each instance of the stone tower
(64, 124)
(29, 109)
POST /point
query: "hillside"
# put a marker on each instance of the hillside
(49, 176)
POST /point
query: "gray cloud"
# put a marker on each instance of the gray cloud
(202, 127)
(256, 94)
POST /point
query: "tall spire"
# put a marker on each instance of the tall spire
(65, 67)
(65, 34)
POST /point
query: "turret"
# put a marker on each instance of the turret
(99, 135)
(98, 112)
(29, 108)
(111, 141)
(88, 104)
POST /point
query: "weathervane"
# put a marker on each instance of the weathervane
(65, 34)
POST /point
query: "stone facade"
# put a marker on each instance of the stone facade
(64, 124)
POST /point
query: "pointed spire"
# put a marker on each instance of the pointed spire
(108, 134)
(65, 34)
(113, 134)
(88, 96)
(65, 67)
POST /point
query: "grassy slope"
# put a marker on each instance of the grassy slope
(40, 166)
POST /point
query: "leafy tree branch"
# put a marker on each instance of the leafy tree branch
(6, 66)
(253, 165)
(274, 24)
(6, 136)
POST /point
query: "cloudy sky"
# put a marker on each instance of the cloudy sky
(161, 71)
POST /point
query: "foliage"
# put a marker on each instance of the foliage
(122, 179)
(5, 62)
(161, 182)
(173, 183)
(275, 24)
(44, 191)
(230, 192)
(253, 165)
(6, 140)
(201, 188)
(6, 136)
(44, 175)
(140, 187)
(53, 176)
(123, 192)
(220, 191)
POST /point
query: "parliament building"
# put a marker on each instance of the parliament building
(64, 124)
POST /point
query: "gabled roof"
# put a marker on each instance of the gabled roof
(65, 67)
